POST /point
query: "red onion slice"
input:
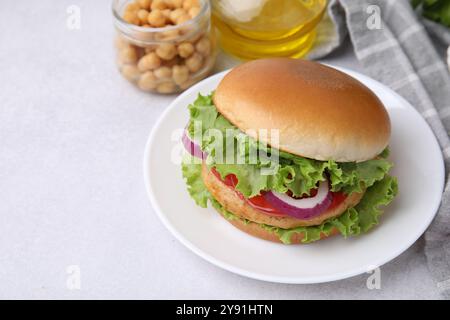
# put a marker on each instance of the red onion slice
(305, 208)
(191, 147)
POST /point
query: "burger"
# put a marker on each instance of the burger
(290, 151)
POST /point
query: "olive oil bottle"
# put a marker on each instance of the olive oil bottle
(252, 29)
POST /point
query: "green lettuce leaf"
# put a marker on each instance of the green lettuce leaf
(192, 173)
(294, 173)
(352, 222)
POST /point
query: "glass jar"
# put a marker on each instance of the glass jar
(254, 29)
(164, 59)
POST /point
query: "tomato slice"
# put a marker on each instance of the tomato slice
(338, 198)
(259, 202)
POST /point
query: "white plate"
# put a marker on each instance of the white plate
(418, 166)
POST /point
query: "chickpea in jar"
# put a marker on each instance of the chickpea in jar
(172, 48)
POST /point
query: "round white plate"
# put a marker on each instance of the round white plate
(418, 166)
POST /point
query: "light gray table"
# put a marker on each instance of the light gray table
(72, 135)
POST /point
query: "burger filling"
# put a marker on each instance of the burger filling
(266, 202)
(292, 186)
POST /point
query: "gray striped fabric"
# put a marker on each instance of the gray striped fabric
(401, 55)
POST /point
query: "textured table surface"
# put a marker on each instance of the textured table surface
(72, 135)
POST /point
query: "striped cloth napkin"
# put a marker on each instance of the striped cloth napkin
(393, 46)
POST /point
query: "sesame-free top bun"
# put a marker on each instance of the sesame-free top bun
(319, 112)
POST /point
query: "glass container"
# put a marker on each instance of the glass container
(255, 29)
(169, 58)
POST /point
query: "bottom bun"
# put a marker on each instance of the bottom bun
(254, 229)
